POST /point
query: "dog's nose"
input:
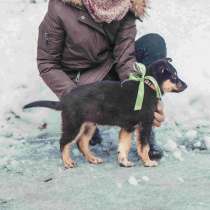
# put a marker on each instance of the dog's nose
(181, 85)
(185, 86)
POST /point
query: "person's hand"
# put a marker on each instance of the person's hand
(159, 115)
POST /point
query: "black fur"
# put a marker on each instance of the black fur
(110, 103)
(48, 104)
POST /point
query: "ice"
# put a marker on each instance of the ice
(207, 142)
(178, 155)
(181, 179)
(145, 178)
(75, 152)
(170, 146)
(132, 181)
(197, 144)
(191, 135)
(31, 171)
(119, 185)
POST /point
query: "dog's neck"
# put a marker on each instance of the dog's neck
(148, 83)
(148, 73)
(141, 75)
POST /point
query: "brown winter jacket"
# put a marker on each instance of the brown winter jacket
(70, 42)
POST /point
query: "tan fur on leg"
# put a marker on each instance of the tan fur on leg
(68, 162)
(124, 148)
(143, 151)
(83, 143)
(65, 154)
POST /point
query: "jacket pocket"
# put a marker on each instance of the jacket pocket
(50, 40)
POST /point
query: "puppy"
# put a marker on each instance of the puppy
(112, 103)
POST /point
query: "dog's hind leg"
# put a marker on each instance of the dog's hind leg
(124, 148)
(143, 147)
(83, 143)
(70, 134)
(66, 157)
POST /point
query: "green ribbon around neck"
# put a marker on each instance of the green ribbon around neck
(139, 75)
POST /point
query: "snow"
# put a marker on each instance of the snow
(207, 142)
(181, 179)
(170, 146)
(132, 180)
(145, 178)
(178, 155)
(191, 134)
(31, 172)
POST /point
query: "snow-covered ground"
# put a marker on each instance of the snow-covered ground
(31, 173)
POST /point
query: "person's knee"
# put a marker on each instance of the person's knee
(151, 37)
(150, 47)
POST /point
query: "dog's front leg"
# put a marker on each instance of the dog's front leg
(143, 135)
(124, 148)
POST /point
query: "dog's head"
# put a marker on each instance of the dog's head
(166, 76)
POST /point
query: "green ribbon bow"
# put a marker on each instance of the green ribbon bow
(139, 75)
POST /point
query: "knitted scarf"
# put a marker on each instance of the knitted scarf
(107, 10)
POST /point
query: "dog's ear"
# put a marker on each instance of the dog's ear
(163, 65)
(169, 60)
(165, 60)
(159, 67)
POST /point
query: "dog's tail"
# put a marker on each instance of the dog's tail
(48, 104)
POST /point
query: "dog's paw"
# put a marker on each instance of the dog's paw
(124, 162)
(68, 163)
(150, 163)
(94, 160)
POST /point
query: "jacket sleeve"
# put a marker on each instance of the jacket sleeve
(49, 52)
(124, 49)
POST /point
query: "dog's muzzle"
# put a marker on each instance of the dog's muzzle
(180, 86)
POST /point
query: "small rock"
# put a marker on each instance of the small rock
(42, 126)
(15, 115)
(48, 179)
(33, 1)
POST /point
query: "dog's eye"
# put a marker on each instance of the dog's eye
(162, 69)
(174, 77)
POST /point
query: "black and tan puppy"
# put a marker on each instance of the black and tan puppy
(112, 103)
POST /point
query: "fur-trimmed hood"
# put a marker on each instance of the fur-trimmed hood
(138, 6)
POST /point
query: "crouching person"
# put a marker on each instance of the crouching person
(84, 41)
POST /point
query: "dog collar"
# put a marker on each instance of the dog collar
(139, 75)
